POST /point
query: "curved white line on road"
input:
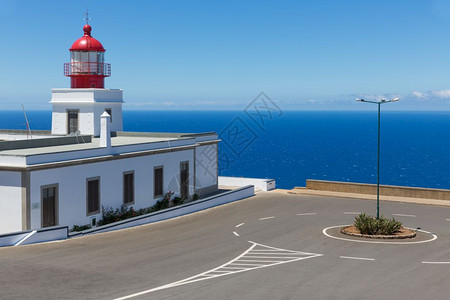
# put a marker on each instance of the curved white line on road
(235, 233)
(436, 262)
(307, 214)
(377, 242)
(239, 225)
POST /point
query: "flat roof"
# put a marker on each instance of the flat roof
(115, 141)
(44, 149)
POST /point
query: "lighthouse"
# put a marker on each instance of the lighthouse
(89, 162)
(77, 110)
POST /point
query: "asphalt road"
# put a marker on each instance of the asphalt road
(274, 245)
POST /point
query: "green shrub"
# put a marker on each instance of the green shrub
(371, 226)
(161, 204)
(110, 215)
(177, 201)
(195, 197)
(80, 228)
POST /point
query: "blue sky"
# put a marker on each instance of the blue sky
(178, 54)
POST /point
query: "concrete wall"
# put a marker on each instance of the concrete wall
(386, 190)
(260, 184)
(226, 197)
(35, 134)
(10, 202)
(44, 142)
(72, 184)
(34, 236)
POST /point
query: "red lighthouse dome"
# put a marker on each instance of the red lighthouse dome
(87, 42)
(87, 68)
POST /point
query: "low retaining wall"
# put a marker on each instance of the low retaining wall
(62, 232)
(385, 190)
(226, 197)
(260, 184)
(34, 236)
(48, 234)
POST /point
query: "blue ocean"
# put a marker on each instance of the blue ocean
(293, 146)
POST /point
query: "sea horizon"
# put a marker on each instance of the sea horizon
(293, 146)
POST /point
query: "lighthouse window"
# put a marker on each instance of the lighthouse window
(100, 57)
(72, 121)
(109, 111)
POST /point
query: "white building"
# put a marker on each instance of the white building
(88, 162)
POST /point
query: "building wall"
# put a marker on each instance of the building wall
(91, 103)
(72, 184)
(88, 117)
(206, 165)
(10, 202)
(85, 118)
(116, 111)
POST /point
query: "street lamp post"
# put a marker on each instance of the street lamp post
(378, 152)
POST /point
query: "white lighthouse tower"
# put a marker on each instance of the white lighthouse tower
(78, 109)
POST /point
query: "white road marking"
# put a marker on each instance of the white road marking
(235, 233)
(288, 257)
(351, 213)
(239, 225)
(257, 254)
(436, 262)
(239, 264)
(260, 261)
(402, 215)
(357, 258)
(219, 271)
(307, 214)
(447, 219)
(324, 231)
(262, 250)
(266, 218)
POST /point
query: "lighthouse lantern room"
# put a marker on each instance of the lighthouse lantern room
(87, 68)
(77, 110)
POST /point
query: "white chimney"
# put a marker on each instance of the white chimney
(105, 134)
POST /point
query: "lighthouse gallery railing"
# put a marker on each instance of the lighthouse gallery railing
(87, 68)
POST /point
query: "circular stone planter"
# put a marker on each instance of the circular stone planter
(404, 233)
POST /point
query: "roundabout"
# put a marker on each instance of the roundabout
(402, 233)
(419, 236)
